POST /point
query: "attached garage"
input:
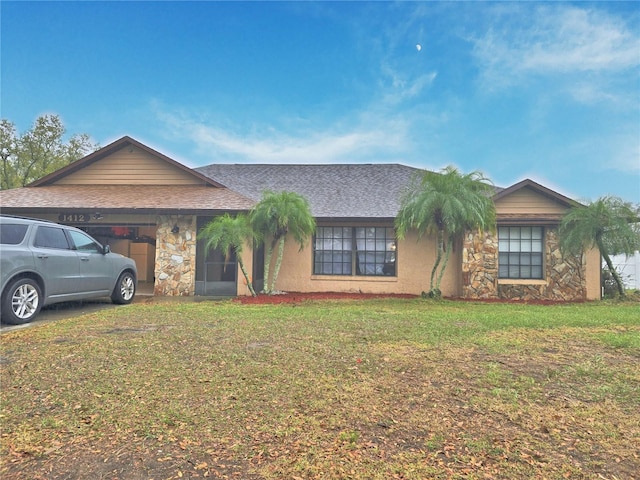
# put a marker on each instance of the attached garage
(144, 205)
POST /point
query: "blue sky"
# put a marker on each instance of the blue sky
(547, 91)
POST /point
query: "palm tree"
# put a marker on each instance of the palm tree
(446, 204)
(229, 234)
(276, 215)
(610, 224)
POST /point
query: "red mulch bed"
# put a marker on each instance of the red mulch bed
(297, 297)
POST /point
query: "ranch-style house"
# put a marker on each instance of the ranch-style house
(151, 207)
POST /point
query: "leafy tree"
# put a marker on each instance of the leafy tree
(277, 215)
(8, 148)
(610, 224)
(38, 151)
(229, 234)
(446, 204)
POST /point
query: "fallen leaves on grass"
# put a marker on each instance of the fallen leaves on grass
(364, 389)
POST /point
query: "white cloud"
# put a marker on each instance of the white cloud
(369, 140)
(555, 40)
(405, 88)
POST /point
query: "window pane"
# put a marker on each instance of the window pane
(12, 234)
(51, 237)
(332, 254)
(83, 242)
(520, 252)
(375, 250)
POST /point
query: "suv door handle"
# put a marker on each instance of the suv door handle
(84, 259)
(42, 255)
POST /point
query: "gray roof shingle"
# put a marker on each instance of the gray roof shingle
(124, 198)
(333, 190)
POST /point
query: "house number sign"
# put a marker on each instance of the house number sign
(74, 217)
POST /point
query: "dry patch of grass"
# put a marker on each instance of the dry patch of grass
(383, 389)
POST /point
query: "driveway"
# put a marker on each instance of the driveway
(64, 310)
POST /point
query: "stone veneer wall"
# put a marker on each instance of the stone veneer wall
(175, 269)
(565, 276)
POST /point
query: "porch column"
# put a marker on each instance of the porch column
(175, 256)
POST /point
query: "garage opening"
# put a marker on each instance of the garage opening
(135, 241)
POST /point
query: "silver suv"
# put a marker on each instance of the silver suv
(43, 262)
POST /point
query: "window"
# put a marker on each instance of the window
(520, 252)
(355, 251)
(333, 252)
(12, 234)
(51, 237)
(84, 243)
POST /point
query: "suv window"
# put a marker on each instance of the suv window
(12, 233)
(84, 243)
(51, 237)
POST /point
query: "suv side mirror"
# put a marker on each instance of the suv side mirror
(106, 249)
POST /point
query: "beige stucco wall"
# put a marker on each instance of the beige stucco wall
(593, 271)
(415, 258)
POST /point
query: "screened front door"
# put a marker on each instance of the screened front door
(215, 274)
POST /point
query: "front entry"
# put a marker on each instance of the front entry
(215, 274)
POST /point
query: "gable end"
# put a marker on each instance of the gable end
(125, 162)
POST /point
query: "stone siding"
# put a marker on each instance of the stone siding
(480, 265)
(565, 278)
(175, 256)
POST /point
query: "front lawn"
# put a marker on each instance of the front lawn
(353, 389)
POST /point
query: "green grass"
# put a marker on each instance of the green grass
(335, 389)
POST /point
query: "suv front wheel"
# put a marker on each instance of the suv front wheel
(125, 289)
(21, 301)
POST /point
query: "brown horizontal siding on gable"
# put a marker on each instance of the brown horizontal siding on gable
(130, 166)
(528, 202)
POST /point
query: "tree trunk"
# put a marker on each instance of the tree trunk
(445, 261)
(276, 269)
(613, 271)
(267, 263)
(246, 276)
(439, 241)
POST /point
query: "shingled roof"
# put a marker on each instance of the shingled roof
(124, 198)
(333, 190)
